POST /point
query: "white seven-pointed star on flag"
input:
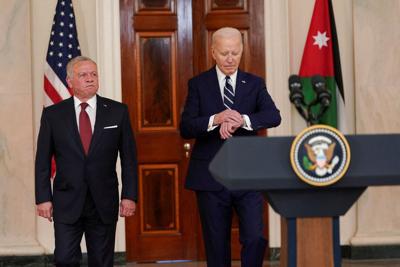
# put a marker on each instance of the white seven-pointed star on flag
(321, 40)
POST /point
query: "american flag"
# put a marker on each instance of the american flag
(63, 46)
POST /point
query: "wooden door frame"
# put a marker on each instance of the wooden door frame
(132, 22)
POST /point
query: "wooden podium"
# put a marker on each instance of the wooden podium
(310, 215)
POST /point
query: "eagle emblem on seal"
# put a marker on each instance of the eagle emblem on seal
(320, 156)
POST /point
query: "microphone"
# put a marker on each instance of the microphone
(323, 95)
(296, 93)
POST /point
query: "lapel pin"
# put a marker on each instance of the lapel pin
(105, 105)
(243, 81)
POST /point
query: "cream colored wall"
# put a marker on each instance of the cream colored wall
(17, 213)
(369, 42)
(369, 39)
(287, 23)
(377, 68)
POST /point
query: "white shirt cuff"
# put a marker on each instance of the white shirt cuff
(247, 123)
(210, 124)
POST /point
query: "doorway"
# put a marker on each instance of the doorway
(163, 44)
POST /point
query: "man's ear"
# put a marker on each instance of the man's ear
(213, 52)
(69, 82)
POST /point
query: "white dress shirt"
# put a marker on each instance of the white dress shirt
(90, 110)
(221, 81)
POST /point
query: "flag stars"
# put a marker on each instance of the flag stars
(321, 40)
(63, 43)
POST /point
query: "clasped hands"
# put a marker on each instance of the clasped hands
(229, 120)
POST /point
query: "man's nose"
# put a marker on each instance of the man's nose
(90, 78)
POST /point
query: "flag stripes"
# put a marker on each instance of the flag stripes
(63, 46)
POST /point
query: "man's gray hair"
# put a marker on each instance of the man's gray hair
(72, 62)
(226, 32)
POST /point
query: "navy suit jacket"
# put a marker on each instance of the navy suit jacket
(204, 100)
(76, 173)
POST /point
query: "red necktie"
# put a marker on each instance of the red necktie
(85, 128)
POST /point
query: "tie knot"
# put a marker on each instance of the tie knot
(84, 105)
(228, 80)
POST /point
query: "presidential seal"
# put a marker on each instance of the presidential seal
(320, 155)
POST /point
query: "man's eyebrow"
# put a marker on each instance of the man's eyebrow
(87, 72)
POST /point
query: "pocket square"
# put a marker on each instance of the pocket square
(111, 127)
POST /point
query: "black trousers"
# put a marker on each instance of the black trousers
(216, 209)
(100, 239)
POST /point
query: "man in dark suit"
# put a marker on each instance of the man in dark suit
(85, 133)
(224, 102)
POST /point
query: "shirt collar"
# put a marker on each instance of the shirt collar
(91, 102)
(221, 76)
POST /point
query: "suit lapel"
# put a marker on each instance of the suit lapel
(213, 85)
(71, 123)
(240, 90)
(98, 127)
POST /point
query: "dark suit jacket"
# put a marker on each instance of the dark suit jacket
(77, 173)
(204, 100)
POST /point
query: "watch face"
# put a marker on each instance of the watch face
(320, 155)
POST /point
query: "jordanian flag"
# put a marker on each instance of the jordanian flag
(321, 56)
